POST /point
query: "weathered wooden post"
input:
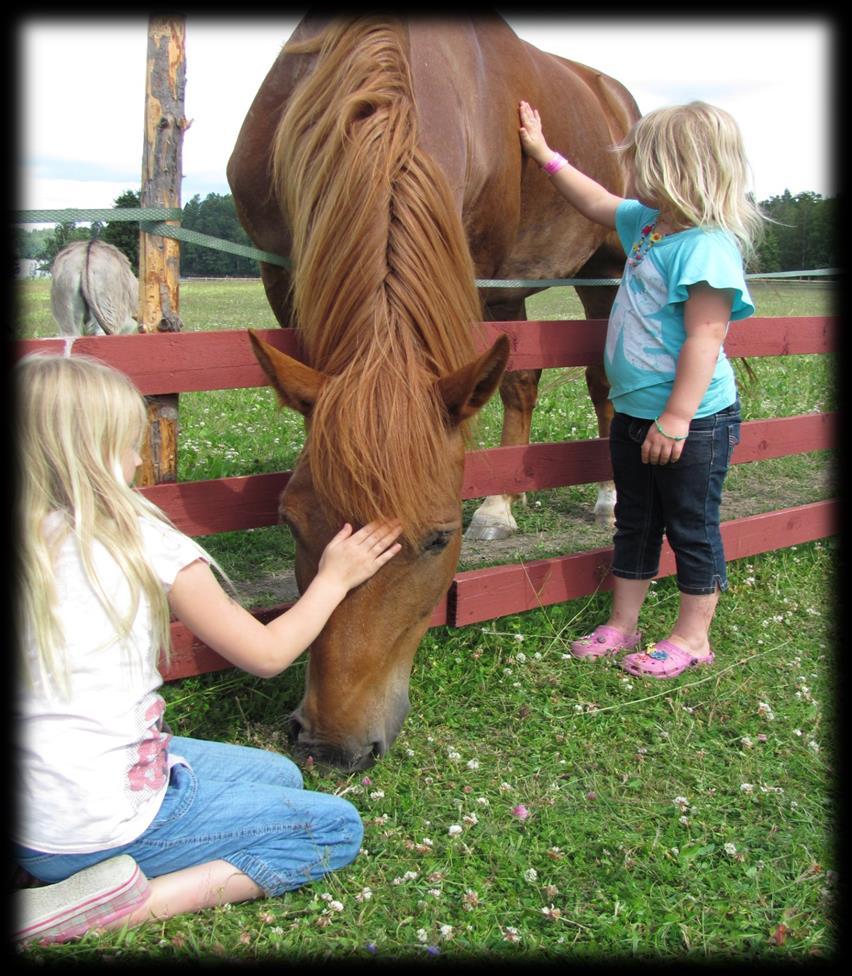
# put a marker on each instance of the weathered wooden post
(159, 257)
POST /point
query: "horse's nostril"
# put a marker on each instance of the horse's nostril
(378, 749)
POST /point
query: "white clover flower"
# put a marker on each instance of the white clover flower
(435, 892)
(747, 787)
(377, 795)
(511, 934)
(422, 935)
(335, 906)
(470, 819)
(446, 931)
(452, 754)
(531, 875)
(730, 849)
(454, 830)
(470, 899)
(521, 658)
(473, 764)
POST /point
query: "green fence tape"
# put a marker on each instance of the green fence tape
(151, 221)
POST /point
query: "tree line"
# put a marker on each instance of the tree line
(801, 236)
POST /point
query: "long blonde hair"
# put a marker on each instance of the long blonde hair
(76, 420)
(691, 159)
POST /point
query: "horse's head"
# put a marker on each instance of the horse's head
(356, 692)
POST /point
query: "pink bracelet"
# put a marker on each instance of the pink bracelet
(555, 164)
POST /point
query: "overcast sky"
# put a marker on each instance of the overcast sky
(81, 113)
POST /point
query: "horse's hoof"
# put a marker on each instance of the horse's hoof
(488, 531)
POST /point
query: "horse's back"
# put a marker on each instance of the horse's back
(467, 78)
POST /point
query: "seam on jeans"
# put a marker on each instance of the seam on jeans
(239, 835)
(275, 881)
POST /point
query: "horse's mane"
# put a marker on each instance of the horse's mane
(383, 282)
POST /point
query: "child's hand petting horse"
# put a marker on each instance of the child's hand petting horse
(352, 557)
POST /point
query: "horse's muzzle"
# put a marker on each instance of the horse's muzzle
(343, 758)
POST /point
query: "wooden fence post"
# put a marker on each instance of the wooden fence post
(159, 257)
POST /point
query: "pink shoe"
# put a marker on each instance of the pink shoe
(89, 899)
(604, 641)
(664, 660)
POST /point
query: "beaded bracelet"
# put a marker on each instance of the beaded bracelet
(671, 437)
(556, 162)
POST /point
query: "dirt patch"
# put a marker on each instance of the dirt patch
(751, 489)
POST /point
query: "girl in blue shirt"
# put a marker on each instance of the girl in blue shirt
(673, 391)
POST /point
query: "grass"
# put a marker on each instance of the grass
(690, 821)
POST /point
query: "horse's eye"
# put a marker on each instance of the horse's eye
(436, 541)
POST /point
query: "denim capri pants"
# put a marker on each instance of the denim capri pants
(680, 499)
(241, 805)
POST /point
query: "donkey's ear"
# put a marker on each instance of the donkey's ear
(296, 384)
(468, 389)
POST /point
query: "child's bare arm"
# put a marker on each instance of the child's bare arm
(706, 315)
(198, 600)
(589, 197)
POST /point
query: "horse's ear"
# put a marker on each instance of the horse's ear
(296, 384)
(468, 389)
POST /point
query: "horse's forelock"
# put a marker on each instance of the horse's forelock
(384, 293)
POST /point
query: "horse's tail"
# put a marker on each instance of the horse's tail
(383, 284)
(90, 291)
(108, 286)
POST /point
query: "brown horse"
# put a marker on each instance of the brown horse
(384, 158)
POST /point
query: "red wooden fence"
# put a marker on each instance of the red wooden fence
(188, 362)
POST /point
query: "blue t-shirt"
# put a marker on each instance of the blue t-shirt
(646, 328)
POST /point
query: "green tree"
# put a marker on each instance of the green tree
(802, 234)
(217, 217)
(62, 234)
(125, 234)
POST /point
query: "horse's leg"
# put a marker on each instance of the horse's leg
(597, 302)
(519, 392)
(596, 381)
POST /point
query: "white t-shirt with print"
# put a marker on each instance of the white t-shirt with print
(92, 771)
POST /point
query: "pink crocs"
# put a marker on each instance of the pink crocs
(604, 641)
(663, 660)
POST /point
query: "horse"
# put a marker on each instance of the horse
(383, 157)
(94, 290)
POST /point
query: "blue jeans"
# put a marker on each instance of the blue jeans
(681, 500)
(241, 805)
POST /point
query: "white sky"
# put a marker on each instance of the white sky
(81, 115)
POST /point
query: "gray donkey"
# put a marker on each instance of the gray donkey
(94, 290)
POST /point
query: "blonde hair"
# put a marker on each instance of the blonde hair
(76, 420)
(690, 159)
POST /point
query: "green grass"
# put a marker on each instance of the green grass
(687, 821)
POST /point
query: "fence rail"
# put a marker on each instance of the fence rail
(191, 362)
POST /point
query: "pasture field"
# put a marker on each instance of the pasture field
(599, 816)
